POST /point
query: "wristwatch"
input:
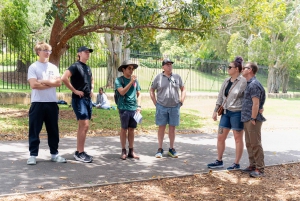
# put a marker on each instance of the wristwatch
(139, 106)
(252, 119)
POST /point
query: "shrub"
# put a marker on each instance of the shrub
(8, 59)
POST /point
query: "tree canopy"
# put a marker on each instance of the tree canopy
(264, 31)
(70, 18)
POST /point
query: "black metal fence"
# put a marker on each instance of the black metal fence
(198, 75)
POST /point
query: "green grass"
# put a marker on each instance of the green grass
(282, 107)
(280, 113)
(102, 120)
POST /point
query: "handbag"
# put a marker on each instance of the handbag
(220, 110)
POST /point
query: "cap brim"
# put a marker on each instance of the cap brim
(90, 50)
(168, 62)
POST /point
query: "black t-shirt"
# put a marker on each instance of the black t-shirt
(81, 78)
(228, 88)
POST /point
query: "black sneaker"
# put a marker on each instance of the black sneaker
(216, 164)
(257, 174)
(83, 157)
(234, 166)
(248, 169)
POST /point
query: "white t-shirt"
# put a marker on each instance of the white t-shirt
(102, 101)
(43, 71)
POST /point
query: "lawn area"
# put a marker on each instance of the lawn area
(195, 117)
(14, 119)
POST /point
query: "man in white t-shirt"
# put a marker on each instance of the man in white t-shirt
(43, 78)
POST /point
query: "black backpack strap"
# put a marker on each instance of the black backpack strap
(123, 85)
(122, 81)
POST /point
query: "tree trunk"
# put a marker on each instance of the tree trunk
(57, 51)
(114, 45)
(278, 77)
(126, 52)
(22, 67)
(285, 80)
(274, 80)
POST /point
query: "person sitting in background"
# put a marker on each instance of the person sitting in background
(102, 101)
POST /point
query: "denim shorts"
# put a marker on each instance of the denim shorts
(231, 120)
(127, 120)
(167, 115)
(82, 108)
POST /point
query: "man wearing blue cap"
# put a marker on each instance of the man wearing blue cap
(78, 78)
(167, 102)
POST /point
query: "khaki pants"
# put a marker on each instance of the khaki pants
(253, 144)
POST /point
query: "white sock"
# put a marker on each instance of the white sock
(54, 155)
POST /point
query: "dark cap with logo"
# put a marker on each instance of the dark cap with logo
(84, 48)
(126, 63)
(165, 61)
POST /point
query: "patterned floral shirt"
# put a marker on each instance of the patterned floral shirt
(253, 89)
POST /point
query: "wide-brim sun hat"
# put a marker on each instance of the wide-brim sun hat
(127, 63)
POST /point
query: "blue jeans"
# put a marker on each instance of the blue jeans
(231, 120)
(167, 115)
(82, 108)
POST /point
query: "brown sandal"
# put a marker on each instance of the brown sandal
(123, 154)
(131, 154)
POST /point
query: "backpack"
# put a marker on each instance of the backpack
(117, 94)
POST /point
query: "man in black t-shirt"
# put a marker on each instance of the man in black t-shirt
(78, 78)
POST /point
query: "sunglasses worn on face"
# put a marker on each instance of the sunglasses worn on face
(245, 67)
(230, 67)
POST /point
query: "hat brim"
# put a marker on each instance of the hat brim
(168, 62)
(125, 66)
(90, 50)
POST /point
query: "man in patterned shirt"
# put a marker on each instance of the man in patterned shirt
(254, 100)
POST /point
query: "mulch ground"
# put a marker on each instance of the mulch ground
(281, 182)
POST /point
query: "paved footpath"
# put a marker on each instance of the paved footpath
(196, 150)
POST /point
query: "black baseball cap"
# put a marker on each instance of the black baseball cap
(84, 48)
(165, 61)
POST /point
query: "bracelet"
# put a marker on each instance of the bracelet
(252, 119)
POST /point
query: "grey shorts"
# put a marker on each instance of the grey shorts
(167, 115)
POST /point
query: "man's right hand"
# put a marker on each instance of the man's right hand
(133, 78)
(79, 93)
